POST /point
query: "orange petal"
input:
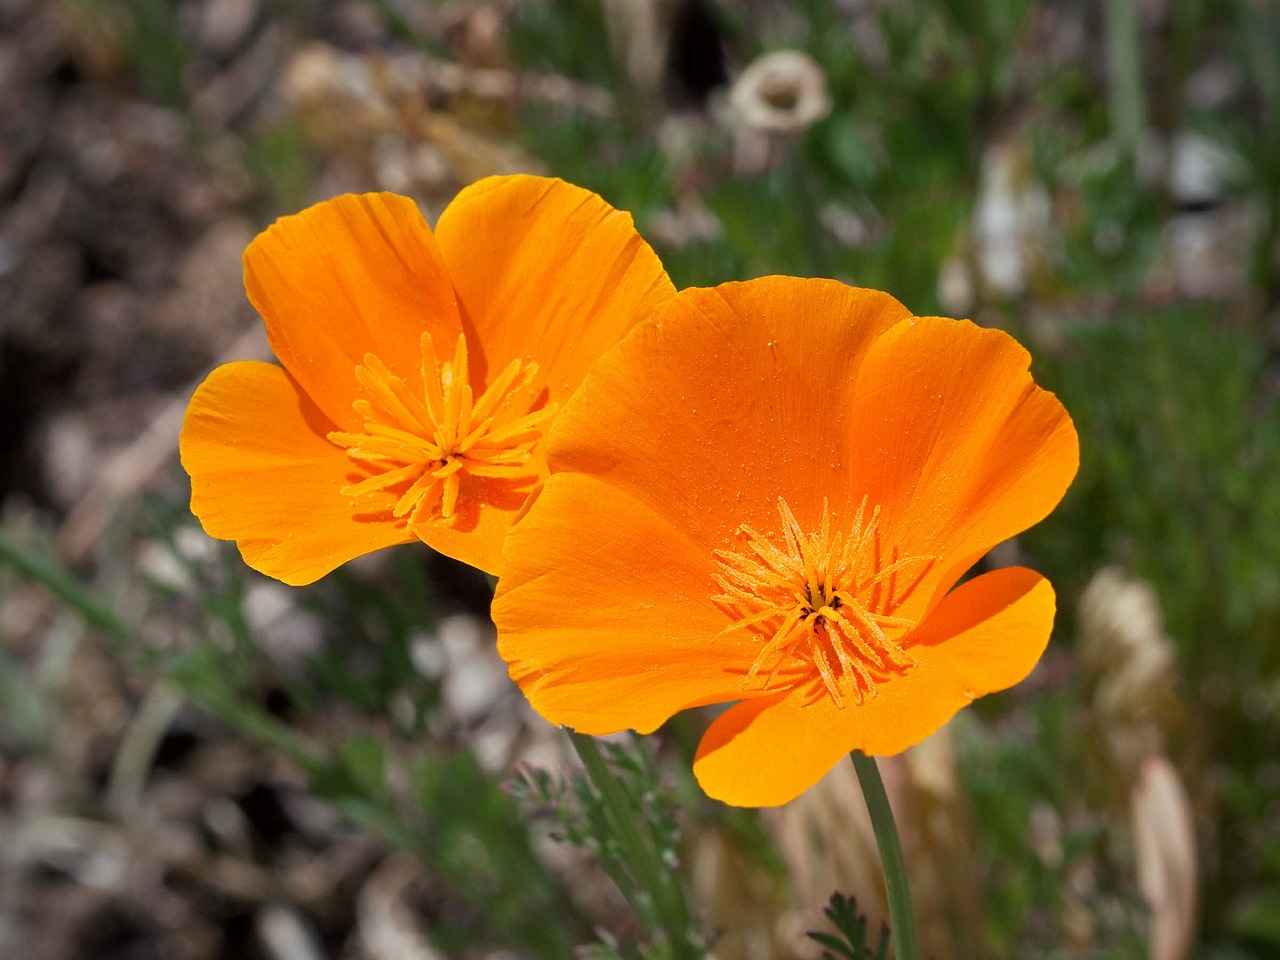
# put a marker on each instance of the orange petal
(984, 636)
(485, 508)
(732, 397)
(957, 444)
(549, 272)
(350, 276)
(604, 612)
(263, 474)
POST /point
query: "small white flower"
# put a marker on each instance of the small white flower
(781, 92)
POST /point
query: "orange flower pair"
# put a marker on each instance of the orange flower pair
(762, 496)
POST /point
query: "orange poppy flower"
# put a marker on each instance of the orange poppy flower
(420, 370)
(764, 497)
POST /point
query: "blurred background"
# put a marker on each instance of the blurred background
(197, 763)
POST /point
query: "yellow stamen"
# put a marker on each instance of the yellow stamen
(424, 445)
(822, 603)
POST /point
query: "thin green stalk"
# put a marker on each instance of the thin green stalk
(1124, 66)
(668, 903)
(902, 921)
(63, 585)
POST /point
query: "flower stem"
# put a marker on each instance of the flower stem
(1124, 63)
(902, 921)
(668, 903)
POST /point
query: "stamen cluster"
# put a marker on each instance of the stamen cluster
(822, 601)
(426, 444)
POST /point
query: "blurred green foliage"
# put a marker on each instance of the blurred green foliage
(339, 714)
(463, 825)
(625, 814)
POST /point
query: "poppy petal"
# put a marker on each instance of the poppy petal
(485, 508)
(956, 443)
(559, 284)
(354, 275)
(732, 397)
(609, 623)
(985, 635)
(264, 474)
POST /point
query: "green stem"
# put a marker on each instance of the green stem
(63, 585)
(1124, 62)
(668, 905)
(902, 922)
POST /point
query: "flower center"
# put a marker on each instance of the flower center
(421, 445)
(821, 601)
